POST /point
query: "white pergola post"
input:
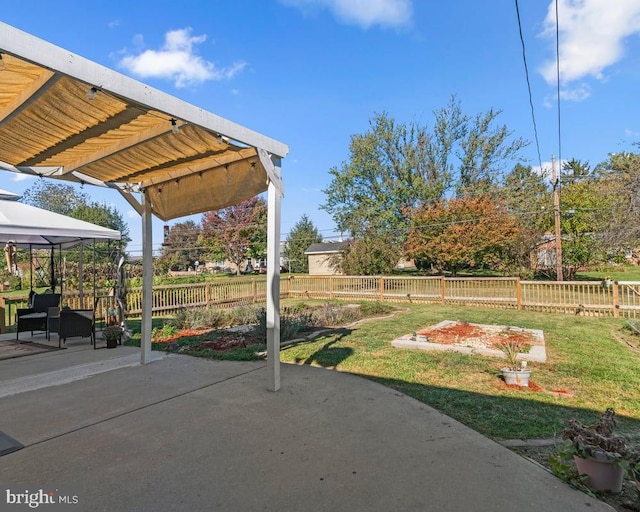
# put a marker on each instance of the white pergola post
(273, 282)
(147, 281)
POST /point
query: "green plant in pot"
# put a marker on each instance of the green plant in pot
(112, 334)
(517, 372)
(600, 454)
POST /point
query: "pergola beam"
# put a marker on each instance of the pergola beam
(43, 53)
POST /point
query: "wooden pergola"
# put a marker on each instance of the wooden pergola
(65, 117)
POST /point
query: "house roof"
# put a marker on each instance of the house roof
(65, 117)
(327, 248)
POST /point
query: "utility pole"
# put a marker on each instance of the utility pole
(556, 214)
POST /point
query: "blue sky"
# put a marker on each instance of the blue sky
(311, 73)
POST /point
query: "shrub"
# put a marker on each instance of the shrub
(166, 331)
(375, 308)
(198, 318)
(331, 314)
(244, 315)
(291, 324)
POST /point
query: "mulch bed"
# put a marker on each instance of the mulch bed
(460, 333)
(212, 339)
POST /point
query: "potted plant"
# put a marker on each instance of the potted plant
(517, 372)
(112, 334)
(599, 453)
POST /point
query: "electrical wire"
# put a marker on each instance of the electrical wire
(558, 84)
(526, 72)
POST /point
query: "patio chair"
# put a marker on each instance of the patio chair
(76, 323)
(53, 321)
(35, 318)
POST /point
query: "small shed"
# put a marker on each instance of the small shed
(325, 258)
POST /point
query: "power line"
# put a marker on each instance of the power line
(558, 83)
(526, 72)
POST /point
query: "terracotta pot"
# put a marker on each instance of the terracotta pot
(604, 475)
(516, 377)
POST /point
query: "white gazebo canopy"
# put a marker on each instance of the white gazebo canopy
(63, 116)
(27, 226)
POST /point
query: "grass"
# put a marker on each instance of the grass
(589, 367)
(617, 273)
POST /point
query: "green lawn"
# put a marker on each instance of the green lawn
(617, 273)
(589, 368)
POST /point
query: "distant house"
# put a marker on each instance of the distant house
(544, 254)
(325, 257)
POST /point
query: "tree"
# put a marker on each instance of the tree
(483, 151)
(388, 171)
(574, 170)
(527, 196)
(237, 232)
(468, 232)
(303, 234)
(370, 255)
(55, 197)
(394, 167)
(103, 215)
(621, 179)
(180, 249)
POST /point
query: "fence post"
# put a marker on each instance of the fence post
(254, 290)
(331, 287)
(207, 296)
(443, 290)
(381, 288)
(616, 300)
(2, 313)
(518, 293)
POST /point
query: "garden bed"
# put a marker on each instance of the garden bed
(469, 338)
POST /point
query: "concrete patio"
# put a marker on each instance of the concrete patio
(184, 433)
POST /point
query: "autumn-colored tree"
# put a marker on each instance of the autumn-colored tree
(237, 232)
(468, 232)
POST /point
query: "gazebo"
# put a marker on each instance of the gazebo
(65, 117)
(28, 227)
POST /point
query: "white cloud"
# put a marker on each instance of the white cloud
(578, 93)
(132, 214)
(365, 13)
(592, 35)
(176, 60)
(22, 177)
(546, 171)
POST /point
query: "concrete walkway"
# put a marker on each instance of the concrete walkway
(190, 434)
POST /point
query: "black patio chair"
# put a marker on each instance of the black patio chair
(76, 323)
(35, 318)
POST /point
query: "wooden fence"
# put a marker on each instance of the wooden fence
(587, 298)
